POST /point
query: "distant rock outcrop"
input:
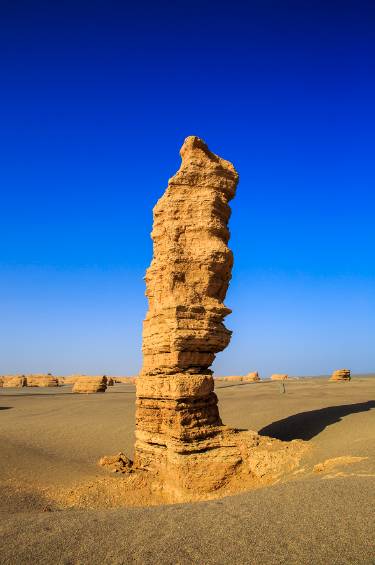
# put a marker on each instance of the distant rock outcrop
(249, 378)
(90, 384)
(71, 379)
(12, 381)
(41, 381)
(279, 377)
(341, 375)
(125, 380)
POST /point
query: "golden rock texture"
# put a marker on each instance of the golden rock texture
(186, 285)
(90, 384)
(341, 375)
(191, 267)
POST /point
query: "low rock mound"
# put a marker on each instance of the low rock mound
(11, 381)
(252, 377)
(41, 381)
(249, 378)
(279, 377)
(90, 384)
(341, 375)
(126, 380)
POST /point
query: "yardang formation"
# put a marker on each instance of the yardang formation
(181, 442)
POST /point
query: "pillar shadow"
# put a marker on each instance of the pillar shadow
(307, 425)
(5, 407)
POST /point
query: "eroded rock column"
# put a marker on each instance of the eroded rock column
(186, 283)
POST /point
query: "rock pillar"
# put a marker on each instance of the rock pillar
(177, 412)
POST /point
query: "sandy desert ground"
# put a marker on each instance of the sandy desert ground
(51, 440)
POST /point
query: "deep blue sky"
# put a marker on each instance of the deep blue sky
(96, 99)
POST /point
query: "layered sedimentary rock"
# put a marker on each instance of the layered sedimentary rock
(11, 381)
(279, 377)
(341, 375)
(191, 267)
(90, 384)
(42, 381)
(186, 286)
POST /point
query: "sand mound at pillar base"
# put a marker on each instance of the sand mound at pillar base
(232, 462)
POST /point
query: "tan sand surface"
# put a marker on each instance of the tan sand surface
(321, 513)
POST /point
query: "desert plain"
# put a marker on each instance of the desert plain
(58, 505)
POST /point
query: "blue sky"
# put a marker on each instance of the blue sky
(96, 100)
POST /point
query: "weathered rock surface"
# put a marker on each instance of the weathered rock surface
(278, 377)
(41, 381)
(191, 267)
(119, 463)
(341, 375)
(11, 381)
(183, 330)
(90, 384)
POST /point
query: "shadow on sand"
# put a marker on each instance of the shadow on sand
(306, 425)
(5, 407)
